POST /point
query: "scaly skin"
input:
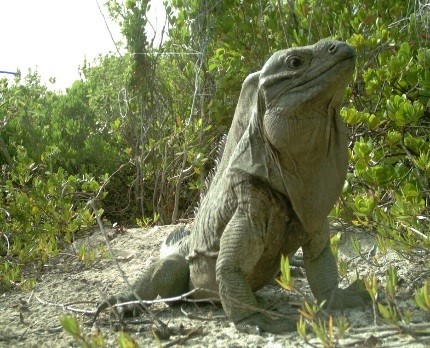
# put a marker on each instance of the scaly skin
(282, 169)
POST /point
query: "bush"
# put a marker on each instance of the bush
(149, 120)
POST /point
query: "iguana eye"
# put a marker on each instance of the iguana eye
(294, 62)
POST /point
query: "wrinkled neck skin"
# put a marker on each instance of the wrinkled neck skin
(253, 155)
(314, 171)
(310, 175)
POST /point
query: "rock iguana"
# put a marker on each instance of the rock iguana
(282, 169)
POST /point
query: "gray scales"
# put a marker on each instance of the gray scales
(282, 169)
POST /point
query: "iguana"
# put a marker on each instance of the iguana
(282, 169)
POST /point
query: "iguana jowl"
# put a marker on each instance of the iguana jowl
(282, 169)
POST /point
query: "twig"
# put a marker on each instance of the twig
(422, 235)
(68, 307)
(31, 297)
(107, 26)
(102, 187)
(183, 297)
(131, 321)
(22, 335)
(5, 237)
(198, 317)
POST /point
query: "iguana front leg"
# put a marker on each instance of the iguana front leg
(323, 277)
(241, 247)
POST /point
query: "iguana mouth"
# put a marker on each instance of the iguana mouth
(324, 72)
(315, 79)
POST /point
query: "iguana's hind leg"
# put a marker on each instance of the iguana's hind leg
(167, 277)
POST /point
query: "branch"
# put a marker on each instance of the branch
(107, 26)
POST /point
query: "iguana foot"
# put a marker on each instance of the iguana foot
(353, 296)
(260, 323)
(124, 311)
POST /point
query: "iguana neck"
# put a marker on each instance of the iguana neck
(312, 185)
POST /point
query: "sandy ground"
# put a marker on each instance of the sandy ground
(68, 286)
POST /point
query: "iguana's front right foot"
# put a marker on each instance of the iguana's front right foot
(261, 323)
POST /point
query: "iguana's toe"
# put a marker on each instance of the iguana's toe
(260, 323)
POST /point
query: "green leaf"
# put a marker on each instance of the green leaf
(70, 325)
(126, 341)
(404, 48)
(385, 312)
(286, 279)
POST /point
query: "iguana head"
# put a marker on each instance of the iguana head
(294, 136)
(301, 90)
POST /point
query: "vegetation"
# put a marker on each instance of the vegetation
(136, 135)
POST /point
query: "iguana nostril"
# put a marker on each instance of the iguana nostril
(332, 48)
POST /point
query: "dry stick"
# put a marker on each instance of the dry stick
(152, 316)
(31, 296)
(178, 185)
(107, 26)
(422, 235)
(183, 297)
(91, 202)
(198, 317)
(67, 306)
(22, 335)
(281, 15)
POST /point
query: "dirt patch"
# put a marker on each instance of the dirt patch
(31, 319)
